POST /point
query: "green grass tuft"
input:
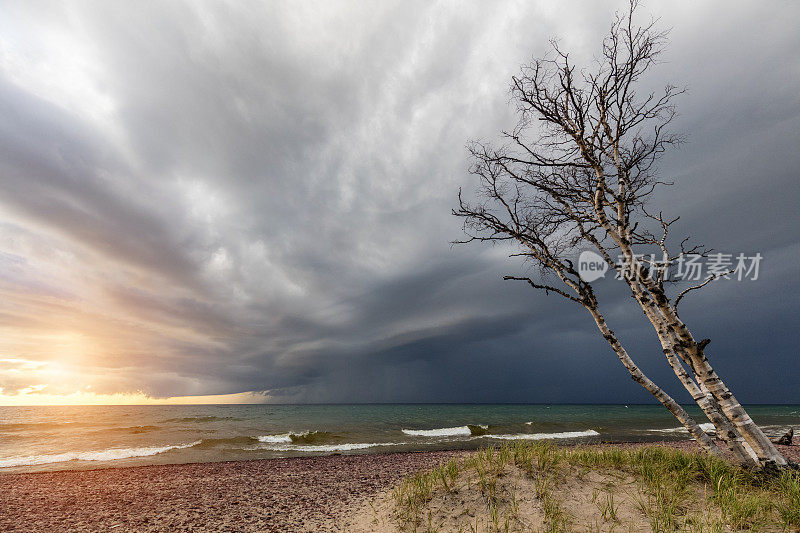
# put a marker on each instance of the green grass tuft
(669, 482)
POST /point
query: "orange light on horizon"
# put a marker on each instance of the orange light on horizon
(36, 398)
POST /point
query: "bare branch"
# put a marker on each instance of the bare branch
(547, 288)
(696, 287)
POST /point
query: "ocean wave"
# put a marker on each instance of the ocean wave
(133, 429)
(112, 454)
(306, 437)
(276, 439)
(459, 431)
(42, 426)
(545, 436)
(707, 427)
(314, 437)
(95, 427)
(327, 448)
(228, 442)
(247, 442)
(290, 442)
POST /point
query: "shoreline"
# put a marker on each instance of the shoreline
(286, 494)
(282, 494)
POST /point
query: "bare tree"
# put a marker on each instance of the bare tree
(577, 172)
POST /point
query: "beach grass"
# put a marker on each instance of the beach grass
(537, 486)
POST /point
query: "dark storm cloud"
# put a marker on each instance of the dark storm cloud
(256, 197)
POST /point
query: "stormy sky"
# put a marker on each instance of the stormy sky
(209, 198)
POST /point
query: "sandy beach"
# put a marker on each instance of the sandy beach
(295, 494)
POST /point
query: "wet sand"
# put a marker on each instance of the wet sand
(296, 494)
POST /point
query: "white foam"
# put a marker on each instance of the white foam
(111, 454)
(341, 447)
(460, 431)
(544, 436)
(328, 448)
(707, 427)
(286, 437)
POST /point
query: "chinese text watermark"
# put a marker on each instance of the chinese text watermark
(687, 267)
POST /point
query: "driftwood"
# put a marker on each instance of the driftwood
(786, 438)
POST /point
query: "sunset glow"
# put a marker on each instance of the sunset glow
(381, 266)
(35, 396)
(198, 200)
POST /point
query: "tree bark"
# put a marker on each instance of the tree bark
(729, 405)
(702, 438)
(654, 302)
(758, 441)
(742, 452)
(728, 433)
(656, 307)
(685, 342)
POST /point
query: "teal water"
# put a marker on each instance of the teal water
(50, 438)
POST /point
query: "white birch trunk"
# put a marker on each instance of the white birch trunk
(758, 441)
(742, 452)
(702, 438)
(730, 406)
(728, 433)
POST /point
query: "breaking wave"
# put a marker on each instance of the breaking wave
(459, 431)
(276, 439)
(112, 454)
(329, 448)
(312, 441)
(313, 437)
(481, 431)
(307, 437)
(310, 438)
(707, 427)
(545, 436)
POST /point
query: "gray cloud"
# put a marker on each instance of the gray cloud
(215, 199)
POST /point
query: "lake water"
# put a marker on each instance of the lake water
(50, 438)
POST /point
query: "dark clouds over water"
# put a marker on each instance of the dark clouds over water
(198, 198)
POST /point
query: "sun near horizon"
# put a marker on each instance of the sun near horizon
(32, 399)
(62, 381)
(52, 374)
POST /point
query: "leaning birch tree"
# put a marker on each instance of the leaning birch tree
(578, 171)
